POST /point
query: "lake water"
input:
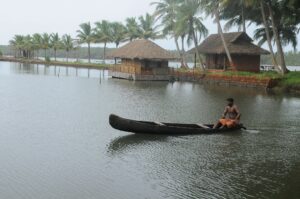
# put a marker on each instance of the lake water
(55, 140)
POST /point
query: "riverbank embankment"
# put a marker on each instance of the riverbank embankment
(289, 83)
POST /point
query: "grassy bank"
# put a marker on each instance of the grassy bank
(56, 63)
(289, 82)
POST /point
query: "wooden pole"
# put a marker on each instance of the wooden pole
(195, 60)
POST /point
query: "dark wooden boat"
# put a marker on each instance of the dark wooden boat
(135, 126)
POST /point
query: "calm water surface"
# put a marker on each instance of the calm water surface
(55, 140)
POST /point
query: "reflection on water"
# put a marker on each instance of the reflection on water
(56, 142)
(39, 69)
(123, 143)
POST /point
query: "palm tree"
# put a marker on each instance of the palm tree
(236, 14)
(118, 33)
(133, 29)
(17, 44)
(85, 35)
(188, 20)
(167, 11)
(38, 43)
(212, 7)
(103, 34)
(67, 44)
(28, 47)
(148, 28)
(280, 28)
(277, 38)
(46, 43)
(55, 43)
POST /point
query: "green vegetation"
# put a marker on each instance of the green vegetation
(267, 74)
(1, 54)
(291, 79)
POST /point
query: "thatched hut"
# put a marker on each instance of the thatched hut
(141, 59)
(245, 55)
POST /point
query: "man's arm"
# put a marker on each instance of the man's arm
(238, 113)
(225, 112)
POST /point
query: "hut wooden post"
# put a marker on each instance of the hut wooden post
(195, 60)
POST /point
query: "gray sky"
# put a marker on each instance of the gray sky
(64, 16)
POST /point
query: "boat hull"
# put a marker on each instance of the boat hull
(144, 127)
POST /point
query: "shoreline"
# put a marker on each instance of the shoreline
(264, 80)
(269, 81)
(57, 63)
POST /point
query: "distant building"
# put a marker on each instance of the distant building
(141, 59)
(245, 55)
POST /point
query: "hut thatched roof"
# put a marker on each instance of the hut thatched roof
(141, 49)
(238, 43)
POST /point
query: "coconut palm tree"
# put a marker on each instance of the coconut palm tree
(118, 33)
(280, 28)
(17, 44)
(133, 30)
(148, 27)
(55, 43)
(85, 35)
(68, 44)
(28, 46)
(235, 12)
(103, 34)
(46, 43)
(188, 20)
(37, 43)
(167, 11)
(212, 7)
(276, 36)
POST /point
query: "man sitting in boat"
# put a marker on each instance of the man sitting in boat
(230, 117)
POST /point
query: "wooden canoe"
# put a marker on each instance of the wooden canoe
(163, 128)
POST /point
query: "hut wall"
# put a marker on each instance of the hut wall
(250, 63)
(154, 67)
(130, 66)
(215, 61)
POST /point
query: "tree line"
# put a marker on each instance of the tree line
(277, 22)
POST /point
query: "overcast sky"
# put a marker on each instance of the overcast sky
(64, 16)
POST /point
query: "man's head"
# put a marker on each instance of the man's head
(230, 101)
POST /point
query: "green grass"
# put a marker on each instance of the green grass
(267, 74)
(291, 79)
(261, 75)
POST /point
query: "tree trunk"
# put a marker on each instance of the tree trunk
(183, 52)
(67, 56)
(197, 51)
(222, 35)
(45, 53)
(179, 52)
(104, 52)
(89, 51)
(277, 41)
(243, 16)
(269, 37)
(55, 54)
